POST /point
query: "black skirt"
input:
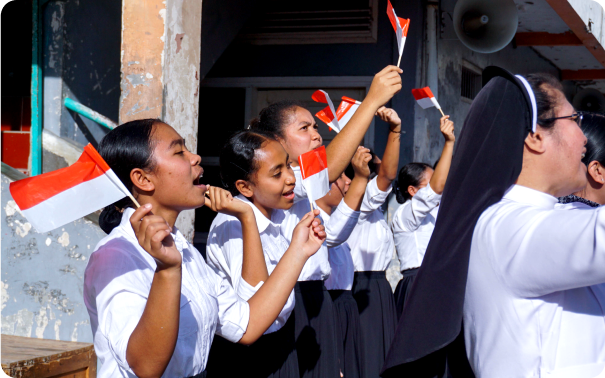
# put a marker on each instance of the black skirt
(272, 355)
(315, 329)
(403, 289)
(347, 317)
(376, 305)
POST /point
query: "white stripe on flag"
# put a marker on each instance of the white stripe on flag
(347, 116)
(317, 185)
(434, 101)
(73, 203)
(426, 102)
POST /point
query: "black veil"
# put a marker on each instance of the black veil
(487, 161)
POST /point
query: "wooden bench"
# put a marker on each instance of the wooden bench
(26, 357)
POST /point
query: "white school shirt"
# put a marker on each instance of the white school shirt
(317, 266)
(224, 254)
(534, 299)
(341, 261)
(413, 225)
(371, 241)
(117, 282)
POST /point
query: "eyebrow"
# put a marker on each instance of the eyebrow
(278, 166)
(177, 142)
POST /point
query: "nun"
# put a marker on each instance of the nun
(522, 277)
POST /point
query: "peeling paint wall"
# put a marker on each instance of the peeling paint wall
(42, 276)
(181, 80)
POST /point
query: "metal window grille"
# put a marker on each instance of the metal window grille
(470, 84)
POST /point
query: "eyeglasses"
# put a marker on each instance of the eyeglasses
(574, 117)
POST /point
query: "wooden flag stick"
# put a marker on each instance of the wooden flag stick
(399, 61)
(134, 201)
(441, 112)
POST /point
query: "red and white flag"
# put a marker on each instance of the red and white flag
(55, 198)
(425, 98)
(314, 170)
(401, 26)
(345, 111)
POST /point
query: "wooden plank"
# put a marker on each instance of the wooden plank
(578, 27)
(583, 75)
(547, 39)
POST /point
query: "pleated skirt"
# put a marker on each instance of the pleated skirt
(272, 355)
(376, 305)
(402, 291)
(349, 327)
(315, 330)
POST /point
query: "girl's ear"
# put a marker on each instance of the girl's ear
(141, 180)
(412, 190)
(245, 188)
(597, 172)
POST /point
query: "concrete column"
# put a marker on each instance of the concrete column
(160, 69)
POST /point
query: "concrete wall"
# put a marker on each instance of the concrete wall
(43, 275)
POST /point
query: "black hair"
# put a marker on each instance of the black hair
(410, 174)
(350, 171)
(237, 158)
(125, 148)
(593, 126)
(542, 85)
(272, 119)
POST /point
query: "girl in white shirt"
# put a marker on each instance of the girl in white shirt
(153, 302)
(295, 128)
(256, 170)
(419, 189)
(346, 193)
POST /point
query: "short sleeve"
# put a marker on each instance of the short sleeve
(373, 197)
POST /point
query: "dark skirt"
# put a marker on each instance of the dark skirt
(376, 305)
(315, 329)
(403, 289)
(347, 317)
(272, 355)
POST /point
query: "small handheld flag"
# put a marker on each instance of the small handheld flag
(401, 26)
(344, 112)
(425, 98)
(314, 170)
(55, 198)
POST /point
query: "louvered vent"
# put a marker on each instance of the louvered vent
(470, 85)
(311, 22)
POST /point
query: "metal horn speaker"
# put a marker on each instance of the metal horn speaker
(485, 26)
(589, 100)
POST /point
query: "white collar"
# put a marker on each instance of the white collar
(261, 220)
(523, 194)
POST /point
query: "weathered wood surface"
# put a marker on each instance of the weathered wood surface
(26, 357)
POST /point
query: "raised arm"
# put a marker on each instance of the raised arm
(443, 167)
(254, 267)
(151, 344)
(358, 185)
(341, 149)
(390, 160)
(269, 300)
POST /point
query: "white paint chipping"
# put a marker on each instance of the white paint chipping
(149, 76)
(57, 329)
(42, 322)
(11, 208)
(48, 241)
(63, 239)
(19, 324)
(5, 296)
(23, 228)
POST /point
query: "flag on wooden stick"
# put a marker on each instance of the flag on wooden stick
(314, 170)
(425, 98)
(55, 198)
(401, 26)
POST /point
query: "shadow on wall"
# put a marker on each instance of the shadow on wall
(42, 275)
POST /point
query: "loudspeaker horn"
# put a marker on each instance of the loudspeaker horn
(589, 100)
(485, 26)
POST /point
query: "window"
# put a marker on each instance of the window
(470, 84)
(313, 22)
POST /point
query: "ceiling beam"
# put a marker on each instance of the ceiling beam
(547, 39)
(578, 27)
(583, 75)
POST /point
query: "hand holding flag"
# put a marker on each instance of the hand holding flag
(314, 170)
(336, 120)
(56, 198)
(401, 26)
(425, 98)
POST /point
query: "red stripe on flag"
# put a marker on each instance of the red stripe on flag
(391, 14)
(405, 25)
(421, 93)
(33, 190)
(325, 115)
(344, 107)
(313, 162)
(319, 96)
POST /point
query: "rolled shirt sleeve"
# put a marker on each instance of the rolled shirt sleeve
(410, 216)
(373, 198)
(340, 225)
(233, 312)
